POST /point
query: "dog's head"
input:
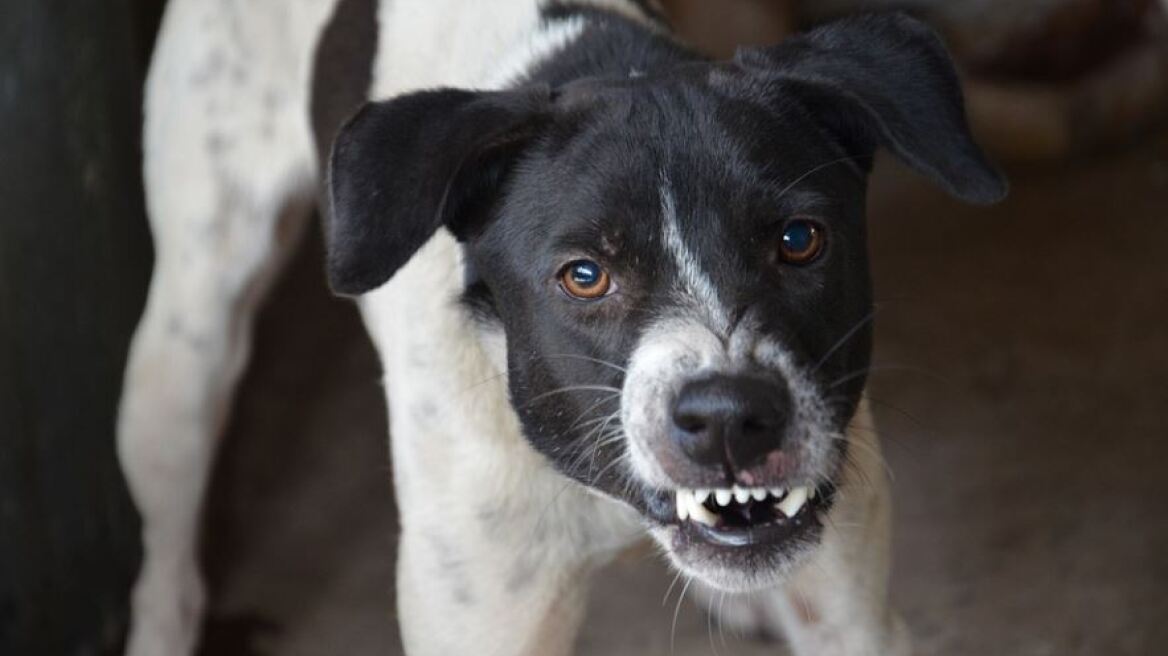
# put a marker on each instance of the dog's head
(677, 261)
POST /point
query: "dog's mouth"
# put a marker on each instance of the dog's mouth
(738, 517)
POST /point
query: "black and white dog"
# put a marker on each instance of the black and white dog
(617, 288)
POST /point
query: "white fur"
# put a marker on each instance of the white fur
(230, 171)
(694, 280)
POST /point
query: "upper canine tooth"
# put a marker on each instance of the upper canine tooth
(701, 495)
(741, 495)
(698, 513)
(758, 494)
(722, 497)
(794, 501)
(683, 497)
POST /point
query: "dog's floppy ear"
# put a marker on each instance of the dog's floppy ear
(402, 168)
(884, 79)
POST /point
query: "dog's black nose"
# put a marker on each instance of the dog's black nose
(733, 420)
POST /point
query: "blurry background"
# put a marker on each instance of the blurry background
(1021, 382)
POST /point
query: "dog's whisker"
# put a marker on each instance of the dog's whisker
(852, 332)
(589, 359)
(602, 442)
(721, 616)
(604, 399)
(884, 368)
(575, 388)
(597, 420)
(676, 612)
(665, 599)
(814, 170)
(616, 461)
(710, 624)
(872, 451)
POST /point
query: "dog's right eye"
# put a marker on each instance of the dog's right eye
(585, 279)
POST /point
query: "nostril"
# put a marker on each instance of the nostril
(696, 431)
(756, 426)
(689, 422)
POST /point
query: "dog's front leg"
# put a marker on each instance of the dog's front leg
(460, 595)
(496, 560)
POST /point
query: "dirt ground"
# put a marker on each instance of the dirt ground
(1021, 387)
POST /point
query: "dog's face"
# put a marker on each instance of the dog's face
(677, 262)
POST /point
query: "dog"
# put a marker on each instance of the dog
(617, 288)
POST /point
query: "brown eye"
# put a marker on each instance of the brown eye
(801, 242)
(585, 279)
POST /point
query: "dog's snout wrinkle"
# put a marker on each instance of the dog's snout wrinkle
(731, 422)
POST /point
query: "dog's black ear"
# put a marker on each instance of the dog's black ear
(884, 79)
(402, 168)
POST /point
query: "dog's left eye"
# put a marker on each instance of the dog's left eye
(585, 279)
(801, 242)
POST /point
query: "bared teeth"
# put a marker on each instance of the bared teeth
(791, 505)
(691, 503)
(722, 497)
(690, 508)
(698, 513)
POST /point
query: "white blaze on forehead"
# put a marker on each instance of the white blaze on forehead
(694, 280)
